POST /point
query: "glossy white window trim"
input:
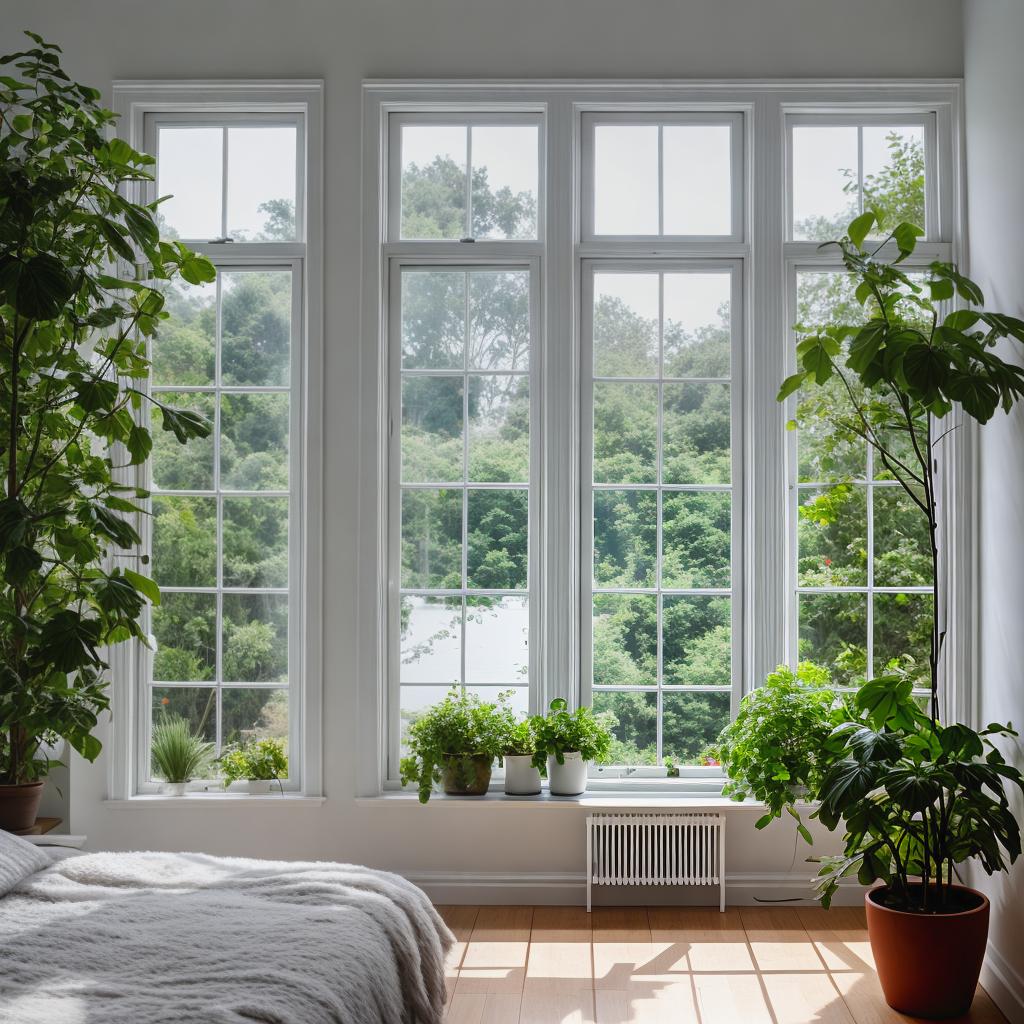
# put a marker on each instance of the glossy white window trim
(133, 101)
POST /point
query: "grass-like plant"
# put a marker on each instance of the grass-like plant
(179, 755)
(562, 731)
(262, 761)
(776, 750)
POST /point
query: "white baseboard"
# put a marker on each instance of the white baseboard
(570, 888)
(1004, 984)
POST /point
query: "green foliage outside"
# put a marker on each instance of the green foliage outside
(76, 322)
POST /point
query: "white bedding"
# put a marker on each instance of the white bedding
(159, 938)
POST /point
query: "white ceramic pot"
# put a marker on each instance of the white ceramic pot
(569, 779)
(174, 788)
(258, 787)
(521, 778)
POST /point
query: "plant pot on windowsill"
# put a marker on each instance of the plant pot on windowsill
(173, 788)
(19, 805)
(568, 778)
(467, 774)
(522, 777)
(928, 963)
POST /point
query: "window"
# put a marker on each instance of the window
(583, 298)
(227, 531)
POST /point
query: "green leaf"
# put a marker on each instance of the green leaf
(816, 356)
(925, 370)
(789, 385)
(144, 585)
(37, 288)
(865, 346)
(184, 423)
(20, 563)
(906, 235)
(764, 820)
(139, 444)
(115, 239)
(941, 289)
(860, 226)
(962, 319)
(977, 397)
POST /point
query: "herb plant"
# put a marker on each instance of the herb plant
(520, 740)
(917, 798)
(179, 755)
(462, 725)
(77, 316)
(561, 731)
(776, 750)
(261, 761)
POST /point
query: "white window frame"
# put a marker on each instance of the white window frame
(142, 106)
(762, 245)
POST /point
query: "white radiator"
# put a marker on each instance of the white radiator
(656, 849)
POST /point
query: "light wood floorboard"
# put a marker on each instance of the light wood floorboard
(668, 965)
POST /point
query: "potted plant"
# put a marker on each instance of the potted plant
(777, 747)
(917, 798)
(179, 755)
(76, 319)
(522, 776)
(455, 743)
(259, 764)
(569, 741)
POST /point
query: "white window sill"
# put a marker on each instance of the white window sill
(215, 800)
(590, 801)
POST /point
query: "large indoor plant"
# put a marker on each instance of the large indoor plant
(455, 743)
(778, 747)
(911, 792)
(76, 319)
(568, 741)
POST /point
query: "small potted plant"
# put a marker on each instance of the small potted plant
(522, 776)
(259, 764)
(455, 743)
(569, 741)
(778, 747)
(179, 755)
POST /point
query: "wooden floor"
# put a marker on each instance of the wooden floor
(750, 965)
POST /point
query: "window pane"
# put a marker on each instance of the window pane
(499, 428)
(497, 638)
(902, 546)
(625, 640)
(499, 328)
(626, 179)
(517, 697)
(254, 442)
(434, 181)
(497, 539)
(432, 538)
(626, 317)
(412, 702)
(894, 175)
(185, 542)
(184, 351)
(432, 445)
(185, 627)
(697, 641)
(903, 628)
(256, 542)
(692, 723)
(697, 342)
(833, 632)
(190, 170)
(433, 319)
(250, 714)
(256, 318)
(635, 737)
(431, 640)
(696, 429)
(261, 183)
(196, 704)
(255, 638)
(825, 188)
(177, 466)
(832, 532)
(696, 544)
(625, 538)
(625, 432)
(505, 172)
(698, 179)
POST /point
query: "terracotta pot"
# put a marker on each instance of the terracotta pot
(928, 964)
(19, 805)
(467, 774)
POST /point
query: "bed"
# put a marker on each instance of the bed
(156, 938)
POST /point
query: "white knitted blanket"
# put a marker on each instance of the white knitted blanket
(162, 938)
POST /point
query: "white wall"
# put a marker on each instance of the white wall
(342, 42)
(994, 85)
